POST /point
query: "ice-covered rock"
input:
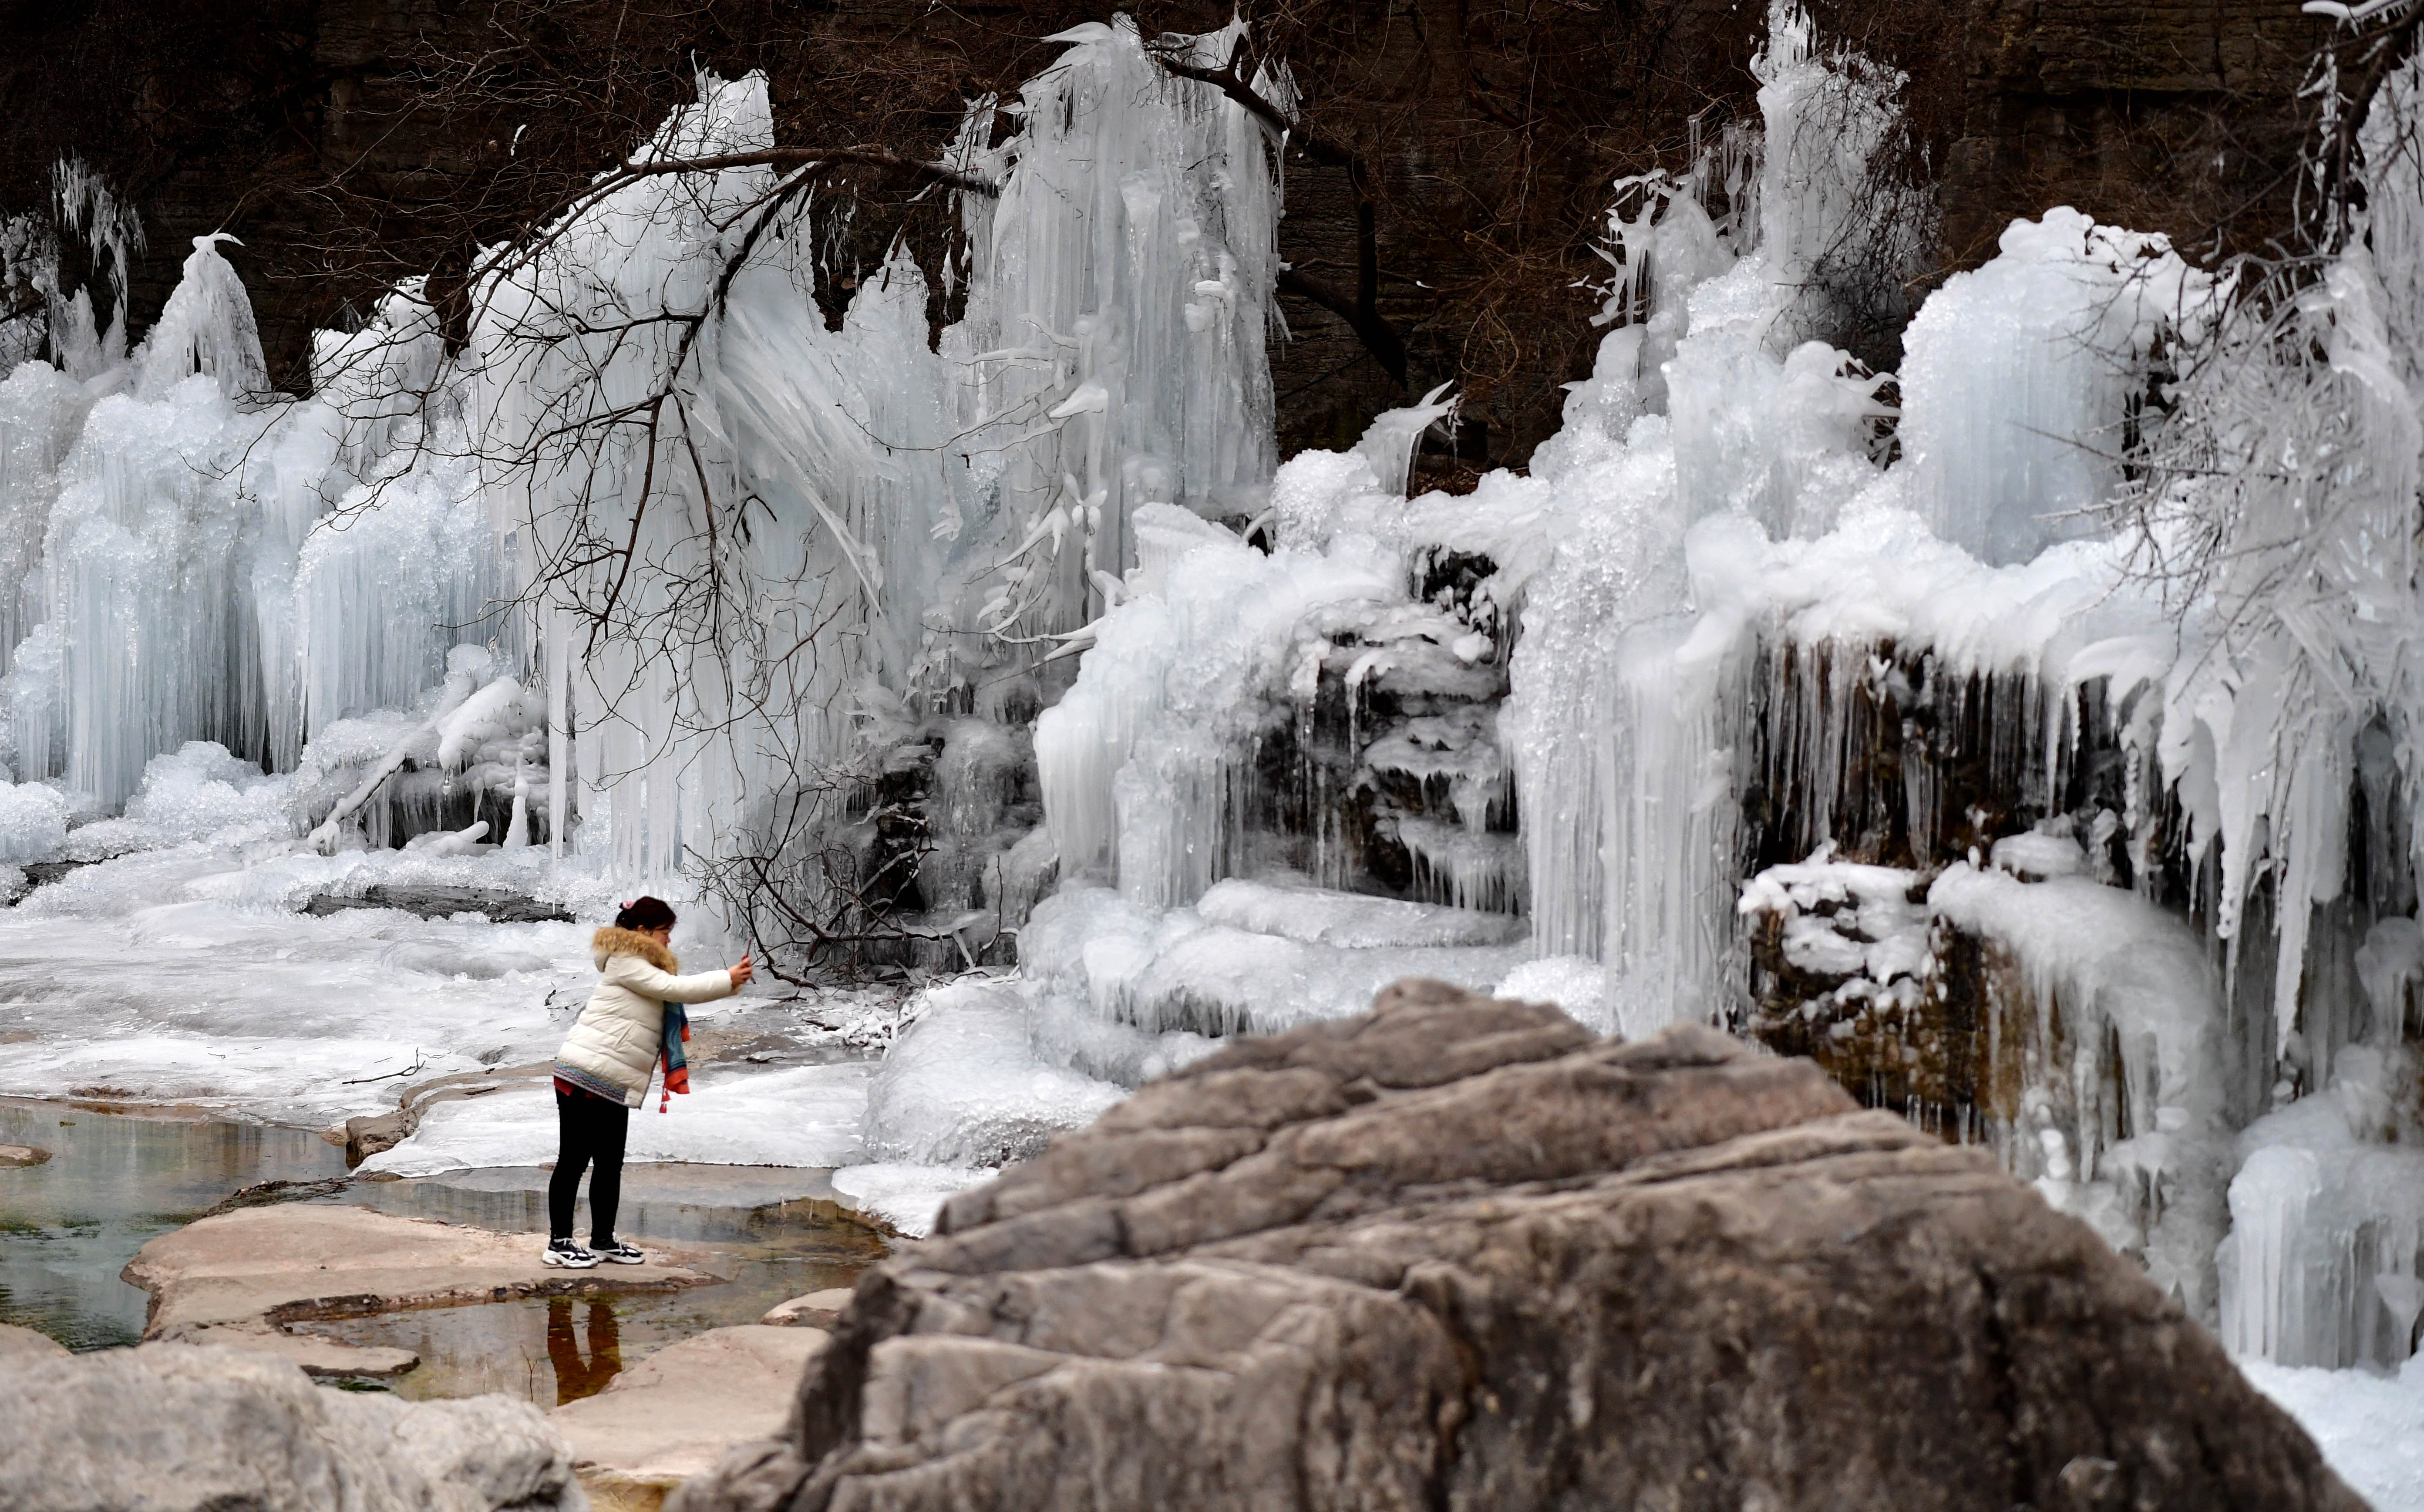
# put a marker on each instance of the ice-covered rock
(171, 1427)
(966, 1086)
(1459, 1253)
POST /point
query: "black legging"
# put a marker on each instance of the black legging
(587, 1129)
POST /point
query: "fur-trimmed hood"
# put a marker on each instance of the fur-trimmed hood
(611, 942)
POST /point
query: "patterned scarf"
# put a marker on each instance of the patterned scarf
(677, 1068)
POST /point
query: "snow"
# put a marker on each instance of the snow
(1575, 983)
(33, 820)
(1315, 916)
(907, 1196)
(965, 1085)
(1179, 973)
(803, 1116)
(2369, 1427)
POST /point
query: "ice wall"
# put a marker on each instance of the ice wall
(654, 483)
(1743, 629)
(930, 516)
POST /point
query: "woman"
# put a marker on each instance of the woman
(602, 1072)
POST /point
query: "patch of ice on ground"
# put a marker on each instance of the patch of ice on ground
(181, 975)
(806, 1116)
(2369, 1427)
(1318, 916)
(196, 792)
(965, 1085)
(33, 820)
(1176, 971)
(1578, 984)
(273, 1014)
(909, 1198)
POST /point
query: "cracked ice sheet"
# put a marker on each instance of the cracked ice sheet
(179, 977)
(2369, 1427)
(806, 1116)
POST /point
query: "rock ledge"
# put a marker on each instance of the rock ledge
(1457, 1253)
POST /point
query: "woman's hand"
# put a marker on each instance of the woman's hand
(741, 973)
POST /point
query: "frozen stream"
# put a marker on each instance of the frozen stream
(180, 979)
(183, 978)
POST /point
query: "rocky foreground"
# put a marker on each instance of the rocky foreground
(173, 1428)
(1458, 1255)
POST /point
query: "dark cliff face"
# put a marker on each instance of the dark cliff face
(353, 142)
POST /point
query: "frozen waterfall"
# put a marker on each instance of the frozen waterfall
(1855, 711)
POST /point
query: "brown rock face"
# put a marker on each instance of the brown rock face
(1457, 1254)
(354, 142)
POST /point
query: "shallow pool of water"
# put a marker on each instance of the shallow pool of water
(119, 1177)
(116, 1180)
(775, 1233)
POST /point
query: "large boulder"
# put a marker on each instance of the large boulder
(1457, 1253)
(173, 1428)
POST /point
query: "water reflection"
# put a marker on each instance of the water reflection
(119, 1177)
(577, 1377)
(774, 1234)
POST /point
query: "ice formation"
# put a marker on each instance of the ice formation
(194, 557)
(1721, 627)
(1859, 726)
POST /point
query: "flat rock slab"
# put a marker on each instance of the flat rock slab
(22, 1346)
(13, 1157)
(443, 903)
(677, 1412)
(169, 1427)
(1460, 1254)
(310, 1353)
(818, 1310)
(284, 1264)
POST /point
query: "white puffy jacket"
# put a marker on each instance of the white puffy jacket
(620, 1034)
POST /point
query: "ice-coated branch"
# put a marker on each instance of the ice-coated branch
(323, 839)
(2379, 54)
(804, 157)
(1362, 312)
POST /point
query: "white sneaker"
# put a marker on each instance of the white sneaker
(621, 1254)
(567, 1253)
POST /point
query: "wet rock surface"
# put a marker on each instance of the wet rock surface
(233, 1279)
(168, 1427)
(675, 1413)
(1457, 1253)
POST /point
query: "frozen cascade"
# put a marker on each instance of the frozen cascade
(199, 559)
(1723, 709)
(1734, 637)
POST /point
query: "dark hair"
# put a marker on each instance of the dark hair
(645, 913)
